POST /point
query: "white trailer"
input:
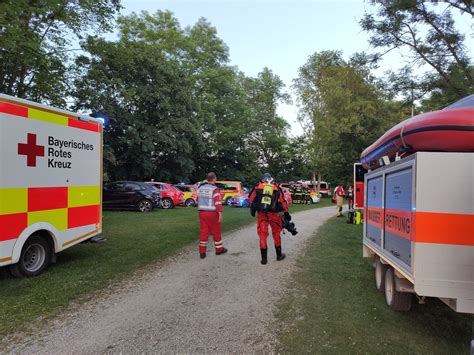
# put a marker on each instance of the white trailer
(419, 229)
(50, 183)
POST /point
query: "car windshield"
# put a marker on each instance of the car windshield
(227, 186)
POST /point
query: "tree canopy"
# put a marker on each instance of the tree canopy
(343, 109)
(428, 32)
(176, 109)
(34, 43)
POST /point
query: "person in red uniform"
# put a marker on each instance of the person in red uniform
(339, 192)
(210, 215)
(268, 200)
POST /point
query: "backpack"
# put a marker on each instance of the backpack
(266, 199)
(351, 217)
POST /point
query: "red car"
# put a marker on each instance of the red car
(189, 194)
(170, 196)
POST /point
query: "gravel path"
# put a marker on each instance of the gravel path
(219, 304)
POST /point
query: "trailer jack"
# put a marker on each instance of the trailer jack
(421, 299)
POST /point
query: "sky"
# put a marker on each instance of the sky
(279, 34)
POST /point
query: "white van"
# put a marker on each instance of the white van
(50, 183)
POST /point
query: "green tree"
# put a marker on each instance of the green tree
(147, 95)
(269, 134)
(343, 110)
(428, 32)
(176, 109)
(35, 39)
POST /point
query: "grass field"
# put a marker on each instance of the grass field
(134, 240)
(335, 308)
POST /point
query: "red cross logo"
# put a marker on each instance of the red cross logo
(31, 150)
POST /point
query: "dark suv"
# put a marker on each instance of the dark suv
(131, 195)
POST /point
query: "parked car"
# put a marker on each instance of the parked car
(170, 196)
(130, 195)
(240, 200)
(189, 194)
(325, 188)
(229, 189)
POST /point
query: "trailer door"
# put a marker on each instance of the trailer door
(398, 221)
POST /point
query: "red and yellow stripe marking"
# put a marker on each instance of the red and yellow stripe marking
(13, 109)
(47, 198)
(45, 115)
(62, 207)
(83, 216)
(11, 225)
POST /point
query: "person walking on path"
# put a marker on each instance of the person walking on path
(268, 200)
(210, 215)
(350, 197)
(339, 192)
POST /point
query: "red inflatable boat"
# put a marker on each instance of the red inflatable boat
(447, 130)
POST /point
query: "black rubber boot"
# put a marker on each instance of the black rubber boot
(222, 251)
(264, 256)
(202, 255)
(280, 255)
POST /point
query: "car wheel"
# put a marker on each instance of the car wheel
(34, 258)
(145, 205)
(167, 203)
(190, 203)
(228, 201)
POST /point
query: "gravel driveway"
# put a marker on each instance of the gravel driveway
(219, 304)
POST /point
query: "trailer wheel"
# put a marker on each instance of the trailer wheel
(380, 270)
(398, 301)
(34, 258)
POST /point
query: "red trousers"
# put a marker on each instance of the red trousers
(209, 224)
(264, 219)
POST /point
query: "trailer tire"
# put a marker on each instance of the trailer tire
(398, 301)
(380, 270)
(34, 258)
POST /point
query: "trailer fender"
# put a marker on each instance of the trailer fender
(402, 284)
(30, 230)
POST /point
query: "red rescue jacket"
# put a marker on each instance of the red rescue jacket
(278, 203)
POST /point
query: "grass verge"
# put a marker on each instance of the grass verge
(334, 307)
(134, 240)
